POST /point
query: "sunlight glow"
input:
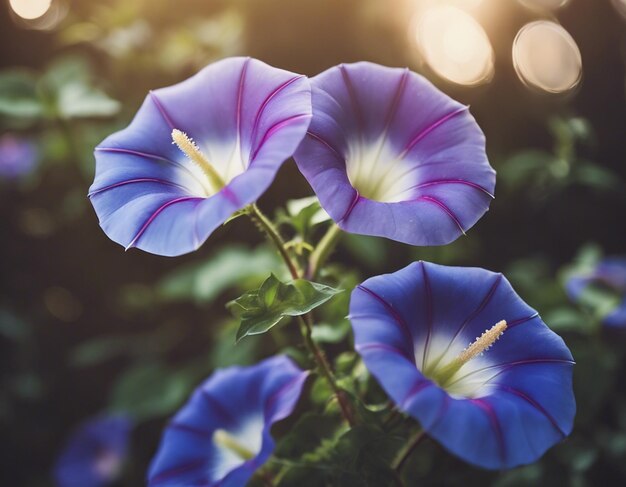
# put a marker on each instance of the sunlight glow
(620, 6)
(455, 45)
(545, 4)
(546, 56)
(30, 9)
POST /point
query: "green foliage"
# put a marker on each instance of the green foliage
(18, 96)
(332, 456)
(543, 173)
(205, 281)
(262, 309)
(150, 390)
(64, 91)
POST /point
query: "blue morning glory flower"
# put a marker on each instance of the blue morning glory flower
(390, 155)
(94, 454)
(457, 349)
(222, 435)
(197, 152)
(18, 157)
(608, 277)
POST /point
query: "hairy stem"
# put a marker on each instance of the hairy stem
(306, 322)
(265, 225)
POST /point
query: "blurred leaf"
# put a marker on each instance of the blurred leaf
(596, 176)
(326, 333)
(151, 390)
(568, 319)
(67, 83)
(13, 327)
(79, 100)
(18, 96)
(310, 433)
(370, 250)
(524, 166)
(223, 354)
(528, 476)
(102, 349)
(262, 309)
(305, 213)
(228, 267)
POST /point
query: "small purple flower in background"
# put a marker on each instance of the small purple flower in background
(95, 453)
(604, 288)
(18, 157)
(197, 152)
(222, 435)
(390, 155)
(457, 349)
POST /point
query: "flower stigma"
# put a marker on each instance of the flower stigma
(195, 155)
(482, 343)
(224, 439)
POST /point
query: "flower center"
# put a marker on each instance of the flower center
(377, 174)
(224, 439)
(195, 155)
(446, 375)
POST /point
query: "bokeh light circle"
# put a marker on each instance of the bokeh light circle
(546, 56)
(545, 4)
(454, 45)
(30, 9)
(620, 6)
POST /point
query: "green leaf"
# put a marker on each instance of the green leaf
(326, 333)
(304, 214)
(67, 83)
(262, 309)
(18, 96)
(308, 437)
(568, 319)
(596, 176)
(151, 390)
(205, 281)
(79, 100)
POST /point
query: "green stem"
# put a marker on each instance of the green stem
(270, 230)
(322, 251)
(306, 322)
(406, 450)
(324, 368)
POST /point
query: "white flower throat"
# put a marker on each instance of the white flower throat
(466, 372)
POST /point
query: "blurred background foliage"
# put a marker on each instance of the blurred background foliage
(86, 328)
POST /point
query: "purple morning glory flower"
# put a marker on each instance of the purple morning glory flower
(222, 435)
(95, 453)
(390, 155)
(609, 278)
(18, 157)
(197, 152)
(496, 401)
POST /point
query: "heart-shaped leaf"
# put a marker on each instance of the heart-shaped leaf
(262, 309)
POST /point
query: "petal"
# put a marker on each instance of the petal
(77, 464)
(246, 117)
(231, 399)
(390, 155)
(516, 400)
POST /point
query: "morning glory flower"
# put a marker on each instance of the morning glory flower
(390, 155)
(197, 152)
(18, 157)
(457, 349)
(222, 435)
(608, 280)
(94, 454)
